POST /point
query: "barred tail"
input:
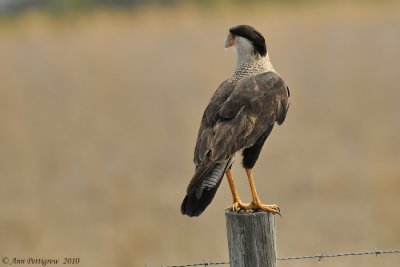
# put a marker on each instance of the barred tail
(203, 186)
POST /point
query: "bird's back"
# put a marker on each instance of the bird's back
(243, 108)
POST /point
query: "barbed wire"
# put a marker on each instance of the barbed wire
(204, 263)
(320, 257)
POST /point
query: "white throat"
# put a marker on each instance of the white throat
(248, 63)
(244, 50)
(263, 64)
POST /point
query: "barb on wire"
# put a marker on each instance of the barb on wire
(320, 257)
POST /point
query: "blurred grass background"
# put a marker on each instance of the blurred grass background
(100, 107)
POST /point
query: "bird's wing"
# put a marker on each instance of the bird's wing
(253, 104)
(209, 120)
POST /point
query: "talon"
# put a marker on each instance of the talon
(279, 212)
(230, 208)
(238, 206)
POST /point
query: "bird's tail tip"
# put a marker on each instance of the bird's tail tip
(193, 206)
(187, 209)
(203, 187)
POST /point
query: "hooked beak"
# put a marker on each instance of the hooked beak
(229, 40)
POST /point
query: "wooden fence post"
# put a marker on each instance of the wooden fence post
(251, 239)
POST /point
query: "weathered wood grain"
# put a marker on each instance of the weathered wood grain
(251, 239)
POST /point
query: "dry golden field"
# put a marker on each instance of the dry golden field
(99, 113)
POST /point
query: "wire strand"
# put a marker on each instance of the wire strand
(320, 257)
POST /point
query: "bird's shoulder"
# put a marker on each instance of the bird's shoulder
(260, 84)
(263, 90)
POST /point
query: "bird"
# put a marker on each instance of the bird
(238, 118)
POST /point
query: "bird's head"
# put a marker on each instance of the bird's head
(248, 41)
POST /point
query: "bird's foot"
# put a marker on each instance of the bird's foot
(254, 206)
(257, 206)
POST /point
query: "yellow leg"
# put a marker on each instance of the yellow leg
(256, 203)
(235, 195)
(237, 203)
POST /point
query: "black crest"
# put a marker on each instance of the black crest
(252, 35)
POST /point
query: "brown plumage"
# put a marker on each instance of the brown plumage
(239, 117)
